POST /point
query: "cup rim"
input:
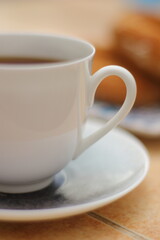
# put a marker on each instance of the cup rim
(49, 65)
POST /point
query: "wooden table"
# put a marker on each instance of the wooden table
(135, 216)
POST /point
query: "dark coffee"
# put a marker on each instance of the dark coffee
(28, 60)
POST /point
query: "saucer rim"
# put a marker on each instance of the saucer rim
(131, 128)
(14, 215)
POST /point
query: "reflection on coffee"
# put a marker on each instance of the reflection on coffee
(28, 60)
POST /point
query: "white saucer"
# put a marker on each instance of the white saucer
(108, 170)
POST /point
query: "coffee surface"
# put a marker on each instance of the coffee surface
(28, 60)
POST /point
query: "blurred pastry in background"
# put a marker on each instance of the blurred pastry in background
(138, 39)
(112, 89)
(137, 48)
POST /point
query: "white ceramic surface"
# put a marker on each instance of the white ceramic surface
(43, 107)
(108, 170)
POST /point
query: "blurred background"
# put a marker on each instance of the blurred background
(125, 33)
(89, 19)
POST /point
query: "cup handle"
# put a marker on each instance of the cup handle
(96, 78)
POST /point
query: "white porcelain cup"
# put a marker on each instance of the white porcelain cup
(44, 106)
